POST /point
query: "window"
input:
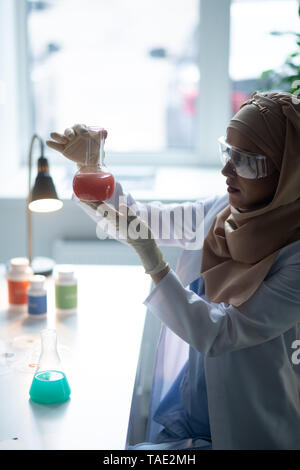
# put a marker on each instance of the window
(147, 54)
(164, 77)
(252, 48)
(127, 65)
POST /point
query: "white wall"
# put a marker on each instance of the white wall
(15, 119)
(69, 222)
(69, 229)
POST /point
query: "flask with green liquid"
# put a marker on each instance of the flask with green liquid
(49, 384)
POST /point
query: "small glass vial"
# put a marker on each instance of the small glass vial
(18, 277)
(37, 297)
(66, 292)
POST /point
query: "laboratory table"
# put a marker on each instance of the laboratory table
(99, 348)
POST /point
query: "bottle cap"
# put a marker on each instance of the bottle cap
(66, 274)
(37, 282)
(19, 263)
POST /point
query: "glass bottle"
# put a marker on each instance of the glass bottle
(93, 182)
(49, 384)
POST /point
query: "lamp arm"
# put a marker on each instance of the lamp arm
(29, 221)
(34, 138)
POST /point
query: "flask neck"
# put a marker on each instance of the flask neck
(95, 150)
(49, 340)
(91, 168)
(49, 359)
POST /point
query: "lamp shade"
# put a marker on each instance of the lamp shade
(43, 195)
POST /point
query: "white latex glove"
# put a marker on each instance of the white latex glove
(137, 234)
(73, 142)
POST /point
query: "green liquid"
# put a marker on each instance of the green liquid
(49, 387)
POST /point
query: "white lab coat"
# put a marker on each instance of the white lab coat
(251, 365)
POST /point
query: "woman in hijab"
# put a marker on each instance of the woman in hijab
(226, 373)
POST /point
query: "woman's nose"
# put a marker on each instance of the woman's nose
(228, 169)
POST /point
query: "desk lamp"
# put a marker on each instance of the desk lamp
(41, 198)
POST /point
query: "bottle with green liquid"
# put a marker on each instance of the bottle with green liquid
(49, 384)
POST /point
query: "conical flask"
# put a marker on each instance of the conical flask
(93, 182)
(49, 383)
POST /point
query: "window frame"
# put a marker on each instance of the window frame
(213, 106)
(17, 123)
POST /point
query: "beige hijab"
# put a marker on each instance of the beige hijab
(240, 247)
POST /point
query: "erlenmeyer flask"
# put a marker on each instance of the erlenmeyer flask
(49, 383)
(93, 182)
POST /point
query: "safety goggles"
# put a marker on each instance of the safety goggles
(246, 164)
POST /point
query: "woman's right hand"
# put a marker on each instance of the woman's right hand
(72, 143)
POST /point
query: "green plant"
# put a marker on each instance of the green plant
(287, 78)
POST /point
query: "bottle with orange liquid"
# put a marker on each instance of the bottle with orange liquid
(18, 277)
(93, 182)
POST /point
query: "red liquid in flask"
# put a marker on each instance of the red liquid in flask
(94, 187)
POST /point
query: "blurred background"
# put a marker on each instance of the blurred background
(163, 76)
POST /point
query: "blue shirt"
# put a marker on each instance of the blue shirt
(183, 412)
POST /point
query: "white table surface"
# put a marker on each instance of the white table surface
(99, 348)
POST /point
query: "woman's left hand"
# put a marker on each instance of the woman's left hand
(136, 233)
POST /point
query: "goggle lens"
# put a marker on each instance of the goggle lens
(245, 165)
